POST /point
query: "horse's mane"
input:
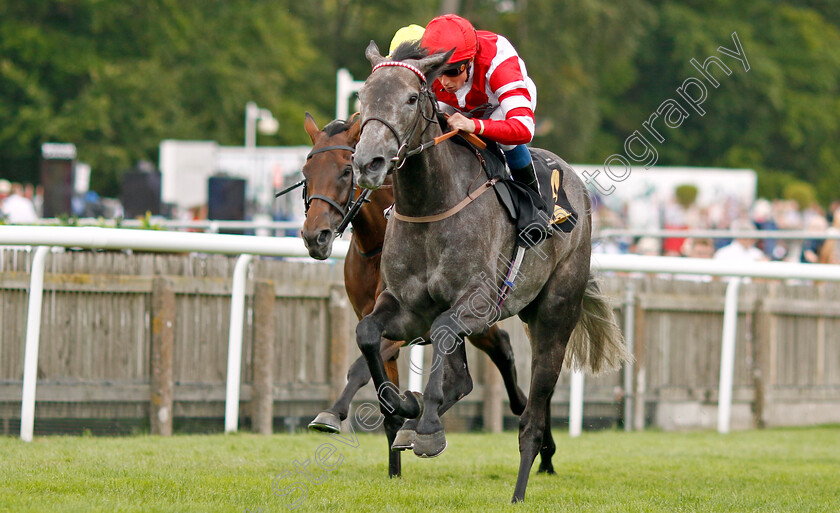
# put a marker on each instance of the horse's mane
(409, 50)
(337, 126)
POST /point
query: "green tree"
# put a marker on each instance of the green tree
(116, 78)
(781, 116)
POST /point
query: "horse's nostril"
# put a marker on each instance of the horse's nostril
(376, 164)
(324, 237)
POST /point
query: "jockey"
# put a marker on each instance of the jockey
(487, 80)
(406, 34)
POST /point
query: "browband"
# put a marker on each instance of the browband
(329, 148)
(401, 65)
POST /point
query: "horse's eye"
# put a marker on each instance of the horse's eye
(412, 99)
(347, 170)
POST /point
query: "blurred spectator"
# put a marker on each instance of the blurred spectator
(38, 200)
(762, 216)
(830, 252)
(15, 207)
(93, 205)
(675, 219)
(605, 218)
(788, 216)
(811, 247)
(833, 211)
(743, 249)
(648, 246)
(647, 212)
(698, 248)
(5, 190)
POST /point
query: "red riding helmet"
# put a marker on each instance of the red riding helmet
(450, 31)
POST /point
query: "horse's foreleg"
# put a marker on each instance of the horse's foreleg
(446, 334)
(496, 344)
(387, 312)
(457, 383)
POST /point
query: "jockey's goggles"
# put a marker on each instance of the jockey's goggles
(455, 69)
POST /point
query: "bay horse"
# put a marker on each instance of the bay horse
(440, 259)
(328, 179)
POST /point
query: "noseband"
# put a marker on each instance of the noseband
(398, 161)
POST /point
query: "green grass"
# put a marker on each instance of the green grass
(780, 470)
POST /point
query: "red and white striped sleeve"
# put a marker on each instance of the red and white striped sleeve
(506, 79)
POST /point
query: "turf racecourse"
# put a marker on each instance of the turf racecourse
(780, 470)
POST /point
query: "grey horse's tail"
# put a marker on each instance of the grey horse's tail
(596, 344)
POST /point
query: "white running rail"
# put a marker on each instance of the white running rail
(151, 240)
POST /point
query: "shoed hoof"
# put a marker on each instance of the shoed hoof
(404, 440)
(431, 445)
(326, 422)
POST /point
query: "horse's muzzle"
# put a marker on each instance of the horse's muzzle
(318, 243)
(371, 172)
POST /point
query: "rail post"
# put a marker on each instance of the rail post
(33, 340)
(237, 323)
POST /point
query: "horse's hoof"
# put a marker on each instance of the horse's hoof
(431, 445)
(404, 440)
(326, 422)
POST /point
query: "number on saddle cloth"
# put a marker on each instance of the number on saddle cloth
(550, 175)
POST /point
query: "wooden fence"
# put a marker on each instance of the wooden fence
(102, 348)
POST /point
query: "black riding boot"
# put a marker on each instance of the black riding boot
(528, 176)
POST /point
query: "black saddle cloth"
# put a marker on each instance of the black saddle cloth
(532, 214)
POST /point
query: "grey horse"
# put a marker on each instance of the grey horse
(328, 176)
(441, 265)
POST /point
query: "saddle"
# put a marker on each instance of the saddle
(522, 204)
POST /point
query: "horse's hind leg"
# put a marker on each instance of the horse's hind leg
(550, 323)
(393, 423)
(548, 447)
(546, 367)
(329, 420)
(496, 343)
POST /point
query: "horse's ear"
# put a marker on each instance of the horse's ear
(311, 128)
(373, 55)
(431, 65)
(355, 129)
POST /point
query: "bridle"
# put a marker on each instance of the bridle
(398, 161)
(307, 199)
(350, 208)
